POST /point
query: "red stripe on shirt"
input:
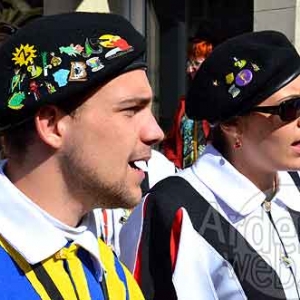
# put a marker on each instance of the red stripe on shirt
(175, 237)
(105, 225)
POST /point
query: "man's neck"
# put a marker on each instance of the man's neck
(43, 184)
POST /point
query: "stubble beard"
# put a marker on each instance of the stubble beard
(84, 184)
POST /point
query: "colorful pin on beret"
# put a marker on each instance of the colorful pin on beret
(57, 58)
(241, 73)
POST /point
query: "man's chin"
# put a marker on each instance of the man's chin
(134, 199)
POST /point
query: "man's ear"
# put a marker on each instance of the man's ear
(51, 122)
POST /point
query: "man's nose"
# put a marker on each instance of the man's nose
(152, 133)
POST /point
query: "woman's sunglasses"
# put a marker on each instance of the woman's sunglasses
(288, 110)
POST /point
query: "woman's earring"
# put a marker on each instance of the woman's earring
(237, 144)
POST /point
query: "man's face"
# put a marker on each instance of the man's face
(113, 129)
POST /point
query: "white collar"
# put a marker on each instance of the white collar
(35, 234)
(236, 190)
(288, 193)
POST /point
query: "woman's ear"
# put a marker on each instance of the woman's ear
(51, 124)
(233, 128)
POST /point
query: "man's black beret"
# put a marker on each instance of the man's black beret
(241, 73)
(56, 58)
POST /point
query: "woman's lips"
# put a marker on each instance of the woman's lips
(296, 146)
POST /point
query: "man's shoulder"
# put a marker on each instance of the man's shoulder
(12, 279)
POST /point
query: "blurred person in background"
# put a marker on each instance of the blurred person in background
(186, 139)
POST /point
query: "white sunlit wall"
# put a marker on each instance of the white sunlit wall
(278, 15)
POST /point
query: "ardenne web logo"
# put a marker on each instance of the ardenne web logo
(267, 258)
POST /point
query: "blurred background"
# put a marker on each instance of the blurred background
(169, 25)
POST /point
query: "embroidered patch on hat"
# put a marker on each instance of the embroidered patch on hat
(43, 69)
(95, 64)
(58, 58)
(24, 55)
(215, 82)
(119, 45)
(241, 76)
(15, 101)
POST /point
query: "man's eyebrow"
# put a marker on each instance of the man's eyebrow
(134, 101)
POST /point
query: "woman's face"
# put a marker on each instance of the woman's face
(268, 142)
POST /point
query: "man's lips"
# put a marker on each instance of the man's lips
(141, 165)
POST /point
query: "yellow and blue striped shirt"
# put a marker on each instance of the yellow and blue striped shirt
(68, 275)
